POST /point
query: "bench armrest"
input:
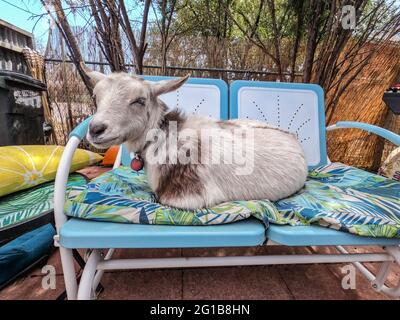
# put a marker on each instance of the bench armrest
(60, 184)
(81, 129)
(384, 133)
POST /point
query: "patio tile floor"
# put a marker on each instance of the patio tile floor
(251, 282)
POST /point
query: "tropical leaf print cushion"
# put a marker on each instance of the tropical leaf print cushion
(122, 195)
(347, 199)
(22, 167)
(25, 205)
(335, 196)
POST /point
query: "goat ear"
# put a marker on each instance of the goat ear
(165, 86)
(94, 76)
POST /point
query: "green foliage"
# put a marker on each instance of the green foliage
(207, 18)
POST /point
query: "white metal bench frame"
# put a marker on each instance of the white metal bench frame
(100, 260)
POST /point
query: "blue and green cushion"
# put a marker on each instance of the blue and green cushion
(25, 205)
(335, 196)
(122, 195)
(346, 199)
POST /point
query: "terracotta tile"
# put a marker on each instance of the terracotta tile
(146, 253)
(55, 261)
(363, 290)
(258, 282)
(364, 287)
(324, 280)
(216, 252)
(255, 282)
(30, 288)
(94, 171)
(142, 285)
(281, 250)
(312, 282)
(236, 251)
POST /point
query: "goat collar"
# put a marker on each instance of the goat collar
(137, 163)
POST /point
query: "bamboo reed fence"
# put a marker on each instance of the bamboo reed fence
(363, 102)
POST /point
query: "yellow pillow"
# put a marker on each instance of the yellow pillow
(22, 167)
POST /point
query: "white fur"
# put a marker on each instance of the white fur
(275, 166)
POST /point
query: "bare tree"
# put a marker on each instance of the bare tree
(250, 28)
(166, 10)
(65, 29)
(333, 55)
(298, 34)
(107, 16)
(212, 24)
(138, 48)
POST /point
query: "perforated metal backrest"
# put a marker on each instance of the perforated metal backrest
(295, 107)
(201, 97)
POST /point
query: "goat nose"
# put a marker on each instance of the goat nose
(97, 129)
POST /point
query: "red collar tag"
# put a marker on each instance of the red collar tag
(137, 164)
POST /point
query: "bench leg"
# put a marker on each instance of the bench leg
(67, 262)
(394, 251)
(85, 291)
(81, 262)
(99, 273)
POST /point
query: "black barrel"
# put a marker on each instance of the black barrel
(392, 98)
(21, 111)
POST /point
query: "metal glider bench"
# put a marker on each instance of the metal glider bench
(296, 107)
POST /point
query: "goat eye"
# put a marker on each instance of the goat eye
(140, 101)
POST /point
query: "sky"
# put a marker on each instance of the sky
(20, 12)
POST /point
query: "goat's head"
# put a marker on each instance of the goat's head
(127, 106)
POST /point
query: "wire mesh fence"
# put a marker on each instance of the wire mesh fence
(70, 101)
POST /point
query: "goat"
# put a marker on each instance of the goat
(191, 175)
